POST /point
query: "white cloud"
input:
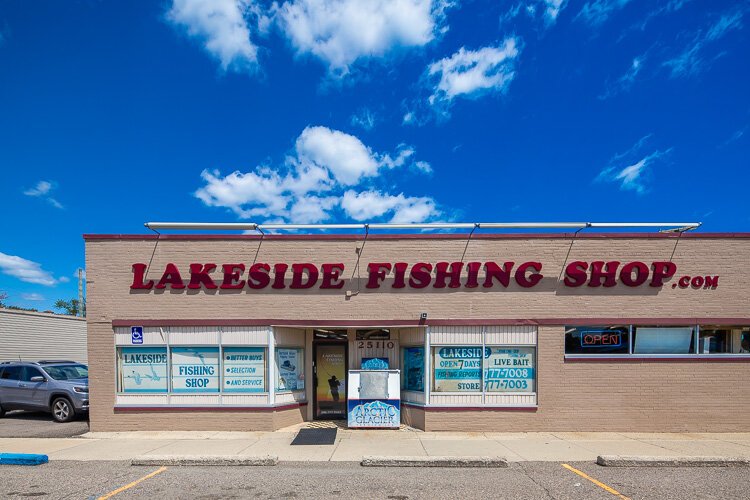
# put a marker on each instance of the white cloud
(369, 205)
(630, 174)
(547, 10)
(471, 73)
(692, 59)
(32, 296)
(736, 136)
(666, 8)
(310, 209)
(364, 118)
(625, 82)
(344, 155)
(597, 12)
(341, 32)
(25, 270)
(223, 28)
(309, 186)
(42, 190)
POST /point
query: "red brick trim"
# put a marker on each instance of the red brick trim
(263, 322)
(224, 409)
(630, 358)
(531, 409)
(410, 236)
(434, 322)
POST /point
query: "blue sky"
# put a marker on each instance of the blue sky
(116, 113)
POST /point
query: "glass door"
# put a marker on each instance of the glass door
(329, 373)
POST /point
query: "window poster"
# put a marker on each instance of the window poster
(458, 369)
(195, 369)
(330, 393)
(290, 372)
(143, 369)
(244, 369)
(509, 369)
(413, 373)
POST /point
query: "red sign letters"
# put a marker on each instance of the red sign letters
(419, 275)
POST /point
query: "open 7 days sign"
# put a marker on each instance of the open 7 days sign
(420, 275)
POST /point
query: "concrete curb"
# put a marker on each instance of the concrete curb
(695, 461)
(23, 459)
(434, 462)
(180, 460)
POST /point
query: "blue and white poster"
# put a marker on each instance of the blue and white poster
(458, 369)
(195, 369)
(375, 364)
(143, 369)
(413, 372)
(374, 413)
(244, 369)
(290, 372)
(509, 369)
(506, 369)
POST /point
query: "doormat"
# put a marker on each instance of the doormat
(315, 437)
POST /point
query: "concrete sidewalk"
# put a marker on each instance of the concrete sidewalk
(353, 445)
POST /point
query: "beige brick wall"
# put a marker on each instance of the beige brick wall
(572, 395)
(658, 396)
(109, 274)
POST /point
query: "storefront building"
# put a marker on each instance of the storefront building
(501, 332)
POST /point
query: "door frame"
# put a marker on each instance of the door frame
(345, 345)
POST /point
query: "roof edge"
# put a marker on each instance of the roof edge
(391, 236)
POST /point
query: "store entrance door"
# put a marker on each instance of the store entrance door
(329, 380)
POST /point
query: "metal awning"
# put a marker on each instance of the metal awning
(251, 226)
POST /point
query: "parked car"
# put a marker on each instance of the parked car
(58, 387)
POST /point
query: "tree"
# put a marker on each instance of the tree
(71, 306)
(4, 296)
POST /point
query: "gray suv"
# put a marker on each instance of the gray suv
(59, 387)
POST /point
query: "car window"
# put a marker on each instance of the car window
(67, 372)
(30, 371)
(11, 373)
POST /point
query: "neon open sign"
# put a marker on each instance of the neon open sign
(598, 338)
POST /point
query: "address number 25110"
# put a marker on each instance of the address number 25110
(375, 344)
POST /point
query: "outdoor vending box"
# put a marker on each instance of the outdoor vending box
(374, 399)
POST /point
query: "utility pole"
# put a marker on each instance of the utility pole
(80, 292)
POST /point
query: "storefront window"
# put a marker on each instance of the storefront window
(412, 373)
(290, 369)
(597, 339)
(665, 340)
(142, 369)
(724, 340)
(195, 369)
(244, 369)
(457, 368)
(509, 369)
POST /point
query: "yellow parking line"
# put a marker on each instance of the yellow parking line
(134, 483)
(598, 483)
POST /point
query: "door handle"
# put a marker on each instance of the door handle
(22, 385)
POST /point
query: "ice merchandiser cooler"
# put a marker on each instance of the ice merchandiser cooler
(374, 399)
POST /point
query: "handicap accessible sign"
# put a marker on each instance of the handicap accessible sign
(136, 335)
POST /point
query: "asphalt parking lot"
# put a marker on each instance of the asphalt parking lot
(22, 424)
(529, 480)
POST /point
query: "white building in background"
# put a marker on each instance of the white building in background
(33, 336)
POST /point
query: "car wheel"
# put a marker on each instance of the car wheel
(2, 412)
(62, 410)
